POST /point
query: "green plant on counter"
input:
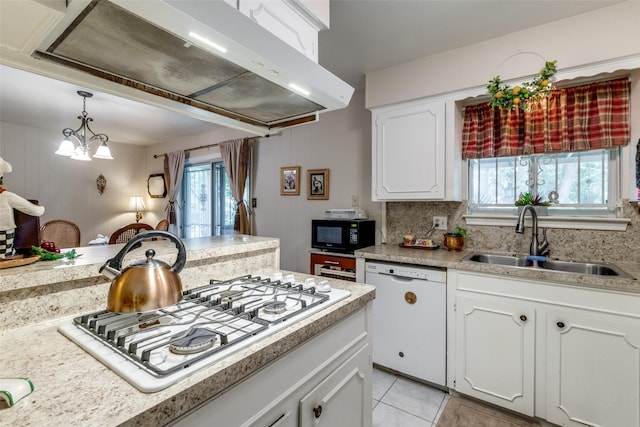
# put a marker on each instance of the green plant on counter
(530, 199)
(50, 256)
(461, 231)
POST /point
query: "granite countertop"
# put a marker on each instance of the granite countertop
(453, 259)
(200, 250)
(73, 388)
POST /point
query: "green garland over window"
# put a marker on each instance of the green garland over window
(503, 96)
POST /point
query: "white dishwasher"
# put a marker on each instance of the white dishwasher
(409, 319)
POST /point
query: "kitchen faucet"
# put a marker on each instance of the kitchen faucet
(537, 248)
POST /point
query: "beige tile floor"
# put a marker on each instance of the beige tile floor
(401, 402)
(398, 401)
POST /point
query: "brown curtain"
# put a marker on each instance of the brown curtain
(587, 117)
(173, 169)
(235, 155)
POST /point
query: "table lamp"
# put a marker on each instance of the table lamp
(136, 205)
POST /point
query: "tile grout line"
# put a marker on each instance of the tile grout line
(406, 412)
(441, 409)
(388, 388)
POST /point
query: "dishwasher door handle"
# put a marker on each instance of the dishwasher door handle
(401, 278)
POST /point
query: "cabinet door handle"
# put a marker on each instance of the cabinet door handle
(332, 262)
(410, 297)
(317, 411)
(280, 418)
(523, 318)
(560, 325)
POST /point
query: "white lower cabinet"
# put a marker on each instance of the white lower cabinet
(342, 398)
(566, 354)
(593, 369)
(324, 382)
(495, 351)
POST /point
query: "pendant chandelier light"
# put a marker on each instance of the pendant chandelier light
(76, 142)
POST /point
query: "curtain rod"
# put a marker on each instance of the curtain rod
(155, 156)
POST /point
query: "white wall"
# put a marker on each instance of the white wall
(340, 142)
(600, 35)
(67, 188)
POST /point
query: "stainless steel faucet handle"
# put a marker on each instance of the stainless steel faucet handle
(543, 248)
(544, 236)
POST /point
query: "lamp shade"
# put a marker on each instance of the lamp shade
(136, 204)
(67, 148)
(81, 154)
(103, 152)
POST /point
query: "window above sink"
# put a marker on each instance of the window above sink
(586, 185)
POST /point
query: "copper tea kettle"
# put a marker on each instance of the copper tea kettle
(146, 284)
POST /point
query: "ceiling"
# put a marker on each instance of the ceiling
(365, 35)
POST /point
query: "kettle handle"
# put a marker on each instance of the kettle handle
(115, 263)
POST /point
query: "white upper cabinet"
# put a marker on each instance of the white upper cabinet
(20, 35)
(411, 155)
(289, 21)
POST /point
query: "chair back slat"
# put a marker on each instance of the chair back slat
(124, 234)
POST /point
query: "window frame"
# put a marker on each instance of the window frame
(606, 218)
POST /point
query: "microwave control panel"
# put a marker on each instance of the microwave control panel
(353, 236)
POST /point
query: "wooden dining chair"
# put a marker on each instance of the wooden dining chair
(124, 234)
(163, 225)
(65, 234)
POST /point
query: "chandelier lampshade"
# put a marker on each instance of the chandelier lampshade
(76, 142)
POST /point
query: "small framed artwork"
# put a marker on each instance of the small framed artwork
(290, 181)
(318, 184)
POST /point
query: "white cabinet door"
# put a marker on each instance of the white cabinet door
(343, 398)
(495, 346)
(409, 152)
(593, 370)
(285, 23)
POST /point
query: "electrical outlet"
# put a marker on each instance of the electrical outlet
(354, 201)
(254, 202)
(440, 222)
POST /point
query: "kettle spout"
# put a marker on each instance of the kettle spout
(109, 271)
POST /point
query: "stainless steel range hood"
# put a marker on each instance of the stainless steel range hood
(169, 48)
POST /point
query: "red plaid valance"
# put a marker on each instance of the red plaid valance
(579, 118)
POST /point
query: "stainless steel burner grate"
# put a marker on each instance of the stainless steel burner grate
(207, 320)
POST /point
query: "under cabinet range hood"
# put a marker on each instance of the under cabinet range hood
(201, 54)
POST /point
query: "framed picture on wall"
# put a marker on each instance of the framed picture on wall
(290, 181)
(318, 184)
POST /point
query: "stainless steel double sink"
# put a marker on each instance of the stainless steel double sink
(577, 267)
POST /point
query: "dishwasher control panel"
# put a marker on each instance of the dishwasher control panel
(408, 271)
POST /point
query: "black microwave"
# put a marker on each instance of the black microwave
(342, 235)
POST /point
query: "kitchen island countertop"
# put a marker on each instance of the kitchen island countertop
(87, 265)
(453, 259)
(73, 388)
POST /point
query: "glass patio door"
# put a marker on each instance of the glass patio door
(209, 207)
